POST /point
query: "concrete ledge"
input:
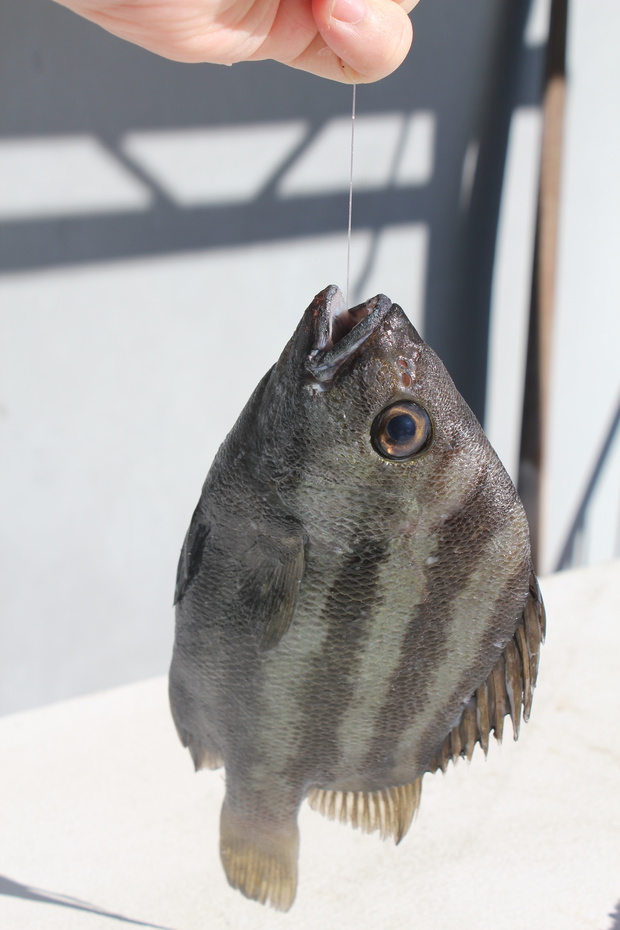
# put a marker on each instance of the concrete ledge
(102, 820)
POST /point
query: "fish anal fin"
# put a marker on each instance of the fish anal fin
(260, 863)
(388, 811)
(508, 689)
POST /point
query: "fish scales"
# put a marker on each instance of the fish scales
(355, 602)
(426, 684)
(328, 682)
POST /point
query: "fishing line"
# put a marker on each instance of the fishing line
(350, 193)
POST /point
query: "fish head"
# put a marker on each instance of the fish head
(359, 400)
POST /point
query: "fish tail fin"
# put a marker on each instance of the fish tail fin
(260, 861)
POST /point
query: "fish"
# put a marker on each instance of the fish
(356, 603)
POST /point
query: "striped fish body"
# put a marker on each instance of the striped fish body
(355, 598)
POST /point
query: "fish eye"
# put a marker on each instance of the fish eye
(401, 431)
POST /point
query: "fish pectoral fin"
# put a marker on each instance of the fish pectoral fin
(191, 554)
(508, 689)
(261, 863)
(390, 811)
(270, 592)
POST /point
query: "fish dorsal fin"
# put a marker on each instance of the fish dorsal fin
(508, 689)
(390, 811)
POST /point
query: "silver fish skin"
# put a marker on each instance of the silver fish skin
(355, 600)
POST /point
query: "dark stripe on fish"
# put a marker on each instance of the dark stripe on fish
(461, 542)
(515, 591)
(347, 612)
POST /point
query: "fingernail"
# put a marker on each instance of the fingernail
(348, 11)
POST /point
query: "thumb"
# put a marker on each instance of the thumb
(370, 37)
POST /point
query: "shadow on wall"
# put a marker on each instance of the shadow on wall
(573, 550)
(108, 151)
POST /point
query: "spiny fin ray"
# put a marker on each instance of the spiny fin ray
(508, 689)
(390, 811)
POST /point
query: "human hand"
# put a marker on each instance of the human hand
(353, 41)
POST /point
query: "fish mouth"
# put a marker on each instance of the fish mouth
(338, 332)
